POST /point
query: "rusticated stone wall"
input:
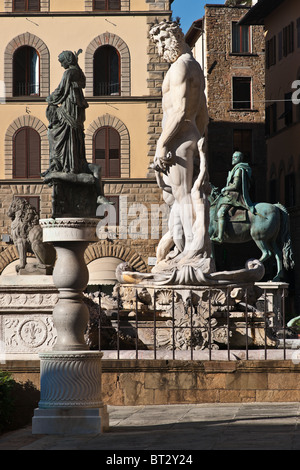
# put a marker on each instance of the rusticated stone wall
(159, 382)
(139, 201)
(222, 66)
(157, 69)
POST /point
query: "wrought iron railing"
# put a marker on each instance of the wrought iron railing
(27, 89)
(214, 324)
(106, 89)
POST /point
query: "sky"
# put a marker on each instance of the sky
(191, 10)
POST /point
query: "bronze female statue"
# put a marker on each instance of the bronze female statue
(66, 115)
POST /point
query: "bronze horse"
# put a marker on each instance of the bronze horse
(269, 229)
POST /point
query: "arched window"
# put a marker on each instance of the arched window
(27, 153)
(26, 72)
(107, 151)
(106, 71)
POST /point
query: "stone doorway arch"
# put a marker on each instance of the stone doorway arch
(95, 251)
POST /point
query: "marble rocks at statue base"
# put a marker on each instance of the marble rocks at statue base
(185, 317)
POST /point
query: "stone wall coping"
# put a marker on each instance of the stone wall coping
(41, 182)
(130, 365)
(32, 282)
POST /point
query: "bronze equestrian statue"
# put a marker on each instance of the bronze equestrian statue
(234, 218)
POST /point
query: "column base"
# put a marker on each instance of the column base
(70, 401)
(70, 421)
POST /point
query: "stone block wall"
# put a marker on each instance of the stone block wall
(132, 383)
(140, 202)
(222, 66)
(175, 382)
(157, 69)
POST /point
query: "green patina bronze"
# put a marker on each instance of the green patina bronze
(234, 218)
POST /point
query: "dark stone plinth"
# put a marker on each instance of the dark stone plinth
(74, 197)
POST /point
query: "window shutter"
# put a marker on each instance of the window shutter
(99, 150)
(26, 5)
(99, 5)
(19, 5)
(20, 164)
(33, 152)
(107, 5)
(107, 151)
(114, 5)
(33, 5)
(114, 153)
(27, 154)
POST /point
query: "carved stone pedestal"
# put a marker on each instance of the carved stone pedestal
(70, 375)
(70, 400)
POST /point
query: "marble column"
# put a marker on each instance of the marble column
(70, 401)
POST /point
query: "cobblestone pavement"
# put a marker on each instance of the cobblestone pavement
(235, 426)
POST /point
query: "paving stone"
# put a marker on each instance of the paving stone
(249, 426)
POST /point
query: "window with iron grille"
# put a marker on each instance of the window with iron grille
(26, 5)
(26, 153)
(106, 71)
(107, 151)
(26, 72)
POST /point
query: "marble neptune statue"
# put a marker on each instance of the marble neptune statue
(184, 252)
(180, 162)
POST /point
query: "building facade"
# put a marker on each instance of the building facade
(233, 60)
(123, 88)
(281, 21)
